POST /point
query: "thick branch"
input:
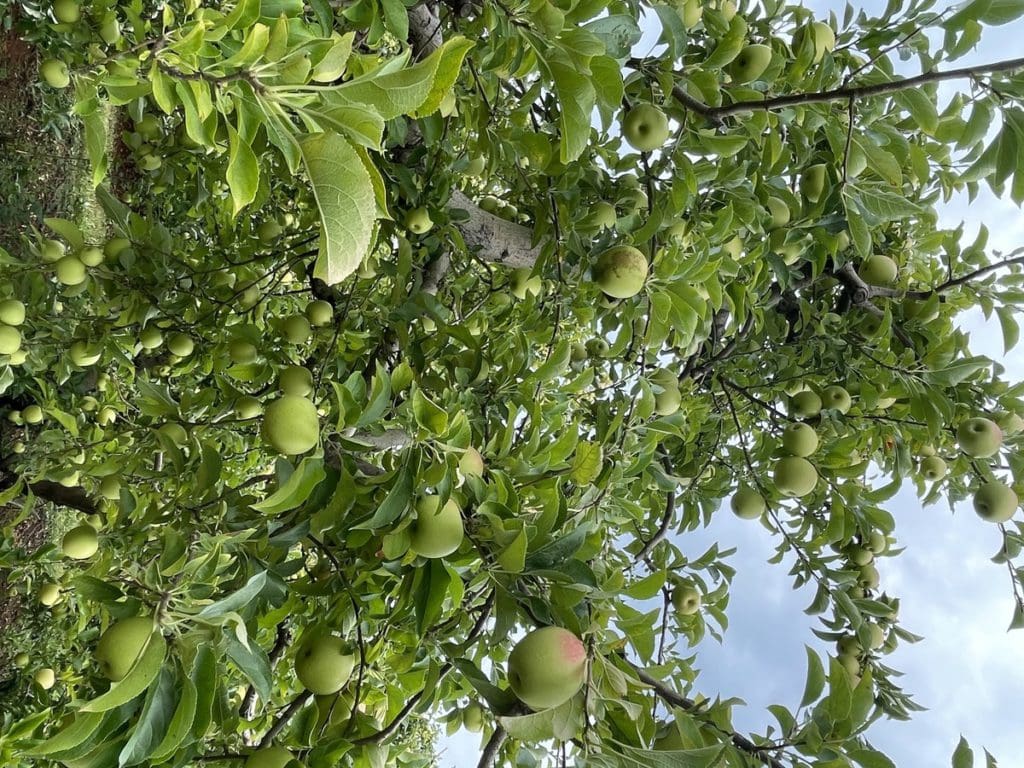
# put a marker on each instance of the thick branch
(490, 753)
(493, 238)
(55, 493)
(956, 282)
(424, 29)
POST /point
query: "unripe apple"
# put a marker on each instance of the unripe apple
(621, 271)
(32, 414)
(547, 667)
(878, 269)
(799, 440)
(122, 644)
(850, 664)
(837, 398)
(174, 432)
(110, 487)
(91, 256)
(794, 476)
(269, 757)
(181, 344)
(877, 542)
(473, 717)
(49, 594)
(296, 329)
(823, 38)
(12, 312)
(1009, 422)
(55, 73)
(979, 437)
(66, 11)
(323, 664)
(319, 312)
(151, 337)
(747, 503)
(522, 284)
(877, 637)
(21, 660)
(241, 351)
(291, 425)
(70, 270)
(106, 416)
(995, 501)
(667, 401)
(812, 182)
(750, 63)
(476, 166)
(933, 468)
(779, 211)
(10, 340)
(805, 405)
(849, 645)
(248, 407)
(868, 577)
(296, 380)
(861, 555)
(645, 127)
(418, 221)
(472, 463)
(45, 678)
(734, 247)
(80, 543)
(83, 354)
(438, 530)
(110, 29)
(602, 215)
(686, 599)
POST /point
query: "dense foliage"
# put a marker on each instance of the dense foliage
(356, 393)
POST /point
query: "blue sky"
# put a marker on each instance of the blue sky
(968, 670)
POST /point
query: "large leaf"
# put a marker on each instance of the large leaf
(300, 484)
(344, 194)
(138, 679)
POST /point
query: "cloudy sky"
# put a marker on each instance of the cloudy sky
(968, 671)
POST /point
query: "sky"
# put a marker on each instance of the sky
(968, 671)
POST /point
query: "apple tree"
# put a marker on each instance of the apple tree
(424, 333)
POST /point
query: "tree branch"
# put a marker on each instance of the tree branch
(73, 498)
(490, 753)
(493, 238)
(282, 721)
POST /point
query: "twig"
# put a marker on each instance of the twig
(282, 721)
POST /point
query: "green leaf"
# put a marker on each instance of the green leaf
(587, 463)
(870, 758)
(1010, 326)
(619, 32)
(1002, 12)
(181, 723)
(647, 587)
(396, 502)
(433, 581)
(921, 108)
(138, 679)
(152, 723)
(296, 489)
(252, 661)
(815, 678)
(396, 18)
(204, 677)
(332, 65)
(428, 414)
(558, 551)
(243, 174)
(963, 757)
(577, 99)
(80, 729)
(236, 600)
(344, 195)
(699, 757)
(513, 557)
(66, 229)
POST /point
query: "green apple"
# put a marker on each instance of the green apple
(861, 555)
(12, 312)
(476, 166)
(241, 351)
(779, 210)
(323, 664)
(106, 416)
(876, 637)
(110, 487)
(473, 717)
(291, 425)
(83, 354)
(80, 543)
(690, 11)
(877, 542)
(437, 530)
(248, 407)
(667, 401)
(995, 501)
(547, 667)
(122, 644)
(795, 476)
(602, 215)
(747, 503)
(805, 404)
(799, 440)
(849, 645)
(472, 463)
(32, 414)
(296, 329)
(418, 221)
(269, 757)
(174, 432)
(878, 269)
(734, 247)
(933, 468)
(150, 162)
(151, 337)
(522, 284)
(850, 664)
(686, 599)
(110, 29)
(181, 345)
(55, 73)
(868, 577)
(70, 270)
(750, 63)
(45, 678)
(837, 398)
(66, 11)
(319, 312)
(621, 271)
(115, 246)
(10, 340)
(49, 594)
(824, 39)
(296, 380)
(812, 182)
(645, 127)
(21, 660)
(979, 437)
(91, 256)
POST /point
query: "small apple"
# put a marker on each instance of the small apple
(10, 340)
(91, 256)
(66, 11)
(181, 344)
(686, 599)
(438, 530)
(877, 542)
(522, 284)
(70, 270)
(933, 468)
(174, 432)
(296, 329)
(795, 476)
(547, 667)
(296, 380)
(799, 440)
(472, 463)
(473, 717)
(248, 407)
(122, 644)
(291, 425)
(49, 594)
(849, 645)
(151, 337)
(868, 577)
(476, 166)
(32, 414)
(45, 678)
(21, 660)
(805, 404)
(861, 555)
(12, 312)
(979, 437)
(995, 502)
(750, 63)
(323, 664)
(877, 637)
(734, 247)
(837, 398)
(747, 503)
(878, 269)
(850, 664)
(645, 127)
(83, 354)
(779, 211)
(812, 182)
(319, 312)
(80, 543)
(621, 271)
(418, 221)
(602, 215)
(110, 29)
(55, 73)
(241, 351)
